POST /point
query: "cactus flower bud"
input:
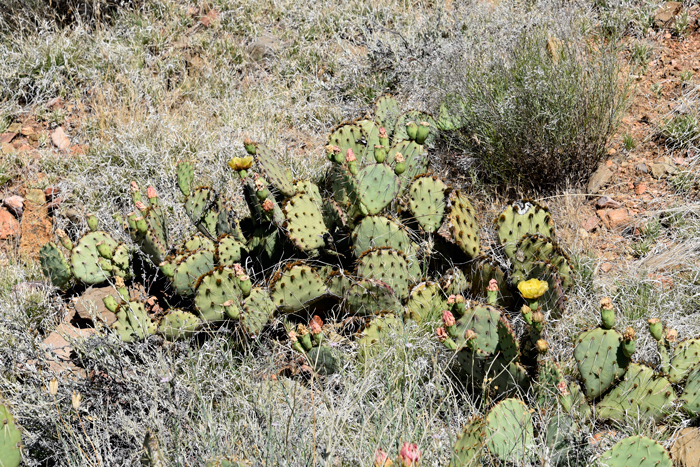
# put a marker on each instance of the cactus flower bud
(259, 183)
(399, 158)
(134, 187)
(245, 285)
(671, 335)
(292, 336)
(537, 317)
(350, 156)
(542, 346)
(629, 345)
(451, 300)
(238, 269)
(92, 222)
(412, 130)
(302, 330)
(563, 388)
(606, 303)
(151, 192)
(422, 132)
(441, 334)
(655, 328)
(140, 206)
(409, 455)
(628, 334)
(249, 146)
(268, 205)
(315, 325)
(448, 318)
(381, 459)
(382, 132)
(460, 299)
(493, 286)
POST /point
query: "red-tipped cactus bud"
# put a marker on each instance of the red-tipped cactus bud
(493, 286)
(238, 269)
(448, 318)
(441, 334)
(268, 205)
(671, 335)
(151, 192)
(542, 346)
(382, 132)
(249, 146)
(315, 325)
(451, 300)
(292, 336)
(140, 206)
(655, 328)
(381, 459)
(409, 455)
(563, 388)
(350, 156)
(134, 187)
(459, 299)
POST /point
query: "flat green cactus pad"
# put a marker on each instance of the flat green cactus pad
(185, 176)
(426, 302)
(54, 265)
(469, 446)
(370, 297)
(463, 223)
(691, 392)
(218, 295)
(323, 360)
(178, 324)
(371, 129)
(506, 377)
(378, 231)
(349, 136)
(190, 268)
(686, 356)
(271, 168)
(636, 451)
(387, 265)
(454, 282)
(400, 133)
(508, 344)
(10, 440)
(203, 206)
(155, 241)
(258, 309)
(133, 322)
(230, 251)
(640, 394)
(483, 320)
(338, 282)
(509, 430)
(415, 159)
(121, 262)
(199, 241)
(304, 222)
(377, 186)
(382, 330)
(535, 247)
(600, 359)
(480, 272)
(296, 287)
(426, 200)
(309, 188)
(520, 219)
(386, 113)
(85, 258)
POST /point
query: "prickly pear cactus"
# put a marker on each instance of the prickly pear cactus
(426, 302)
(258, 309)
(54, 265)
(465, 228)
(369, 297)
(387, 112)
(509, 430)
(522, 218)
(387, 265)
(378, 231)
(691, 392)
(133, 323)
(188, 268)
(415, 161)
(601, 360)
(203, 206)
(377, 186)
(426, 200)
(686, 356)
(401, 133)
(296, 287)
(230, 251)
(638, 451)
(178, 324)
(468, 448)
(484, 321)
(304, 223)
(350, 136)
(10, 440)
(536, 248)
(185, 176)
(454, 282)
(219, 295)
(88, 265)
(379, 332)
(271, 168)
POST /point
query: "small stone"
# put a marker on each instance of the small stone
(9, 227)
(640, 189)
(582, 233)
(6, 138)
(60, 139)
(55, 103)
(686, 449)
(642, 167)
(15, 204)
(614, 219)
(606, 202)
(51, 191)
(591, 224)
(666, 12)
(599, 179)
(14, 128)
(606, 267)
(659, 169)
(36, 196)
(90, 304)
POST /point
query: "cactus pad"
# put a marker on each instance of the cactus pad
(272, 170)
(369, 297)
(465, 228)
(185, 176)
(454, 282)
(386, 113)
(178, 324)
(230, 251)
(323, 360)
(640, 394)
(296, 287)
(509, 430)
(133, 322)
(468, 448)
(372, 132)
(121, 262)
(480, 272)
(218, 295)
(85, 258)
(686, 356)
(600, 359)
(10, 440)
(534, 248)
(350, 136)
(691, 392)
(380, 331)
(427, 202)
(377, 186)
(305, 227)
(426, 302)
(257, 311)
(400, 133)
(636, 451)
(378, 231)
(190, 268)
(522, 218)
(387, 265)
(54, 265)
(203, 206)
(415, 157)
(484, 321)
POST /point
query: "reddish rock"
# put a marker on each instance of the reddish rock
(36, 228)
(9, 227)
(60, 139)
(90, 304)
(640, 189)
(59, 350)
(615, 219)
(6, 138)
(606, 202)
(606, 267)
(51, 191)
(14, 204)
(591, 224)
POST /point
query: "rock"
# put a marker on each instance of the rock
(36, 196)
(36, 225)
(615, 219)
(60, 139)
(15, 204)
(640, 189)
(583, 233)
(606, 202)
(591, 224)
(90, 304)
(599, 179)
(55, 103)
(642, 167)
(51, 192)
(14, 128)
(59, 350)
(660, 169)
(686, 450)
(208, 19)
(606, 267)
(264, 47)
(9, 227)
(6, 138)
(666, 13)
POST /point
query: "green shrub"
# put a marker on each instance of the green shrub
(540, 116)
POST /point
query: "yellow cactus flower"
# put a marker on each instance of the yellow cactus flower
(533, 289)
(241, 163)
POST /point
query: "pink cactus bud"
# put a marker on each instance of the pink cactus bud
(292, 336)
(336, 150)
(268, 205)
(315, 325)
(140, 206)
(448, 318)
(134, 187)
(409, 455)
(151, 192)
(399, 157)
(451, 299)
(441, 334)
(382, 132)
(671, 335)
(563, 389)
(350, 156)
(238, 269)
(493, 286)
(381, 459)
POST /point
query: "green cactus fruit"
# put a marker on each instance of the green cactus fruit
(387, 265)
(54, 265)
(250, 146)
(381, 331)
(463, 223)
(105, 250)
(179, 324)
(412, 130)
(296, 287)
(258, 309)
(399, 168)
(386, 113)
(509, 430)
(600, 359)
(84, 257)
(607, 318)
(65, 241)
(190, 268)
(686, 356)
(230, 251)
(427, 202)
(111, 303)
(92, 222)
(533, 248)
(415, 161)
(380, 153)
(151, 234)
(468, 448)
(423, 132)
(370, 297)
(323, 360)
(304, 223)
(10, 441)
(218, 295)
(401, 130)
(691, 392)
(656, 328)
(378, 231)
(133, 322)
(637, 451)
(640, 395)
(377, 187)
(426, 302)
(522, 218)
(185, 176)
(271, 168)
(203, 206)
(350, 136)
(453, 282)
